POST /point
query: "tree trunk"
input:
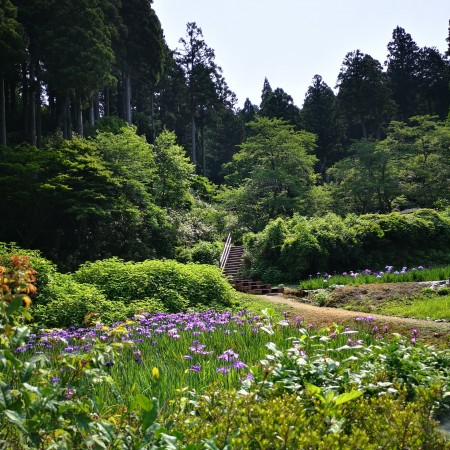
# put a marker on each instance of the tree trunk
(91, 113)
(2, 112)
(67, 129)
(202, 137)
(32, 105)
(38, 119)
(127, 98)
(38, 104)
(79, 115)
(152, 108)
(194, 150)
(96, 104)
(364, 130)
(25, 99)
(107, 108)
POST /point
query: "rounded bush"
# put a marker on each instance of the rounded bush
(193, 284)
(66, 302)
(206, 253)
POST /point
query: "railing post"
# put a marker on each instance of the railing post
(226, 252)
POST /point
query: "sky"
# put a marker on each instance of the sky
(290, 41)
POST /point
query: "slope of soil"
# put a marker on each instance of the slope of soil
(365, 297)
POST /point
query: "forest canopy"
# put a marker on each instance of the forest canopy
(114, 144)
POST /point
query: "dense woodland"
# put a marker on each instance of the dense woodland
(113, 144)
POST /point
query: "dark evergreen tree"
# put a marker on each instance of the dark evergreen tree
(249, 111)
(78, 57)
(402, 69)
(171, 105)
(223, 138)
(278, 104)
(266, 93)
(318, 117)
(140, 51)
(433, 83)
(11, 53)
(206, 86)
(34, 18)
(448, 40)
(364, 97)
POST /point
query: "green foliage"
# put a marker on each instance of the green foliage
(289, 422)
(421, 146)
(175, 173)
(297, 248)
(176, 285)
(86, 199)
(53, 405)
(408, 169)
(65, 302)
(271, 175)
(11, 37)
(71, 64)
(203, 253)
(108, 124)
(366, 181)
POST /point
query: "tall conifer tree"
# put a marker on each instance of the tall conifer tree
(402, 70)
(11, 52)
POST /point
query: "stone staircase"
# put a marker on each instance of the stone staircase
(249, 286)
(231, 270)
(234, 261)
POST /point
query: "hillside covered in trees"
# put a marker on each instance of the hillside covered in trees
(113, 144)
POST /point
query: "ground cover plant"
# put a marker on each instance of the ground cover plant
(432, 304)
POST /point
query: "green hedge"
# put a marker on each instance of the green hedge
(291, 249)
(112, 290)
(178, 286)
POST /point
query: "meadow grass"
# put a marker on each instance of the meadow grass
(429, 306)
(367, 276)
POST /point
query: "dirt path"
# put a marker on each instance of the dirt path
(323, 316)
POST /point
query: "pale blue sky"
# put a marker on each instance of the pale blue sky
(289, 41)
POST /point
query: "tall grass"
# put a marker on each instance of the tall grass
(367, 276)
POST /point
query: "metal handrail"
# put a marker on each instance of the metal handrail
(226, 252)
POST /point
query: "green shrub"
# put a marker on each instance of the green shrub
(206, 252)
(292, 422)
(150, 305)
(50, 402)
(175, 284)
(66, 302)
(171, 300)
(299, 247)
(202, 252)
(443, 291)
